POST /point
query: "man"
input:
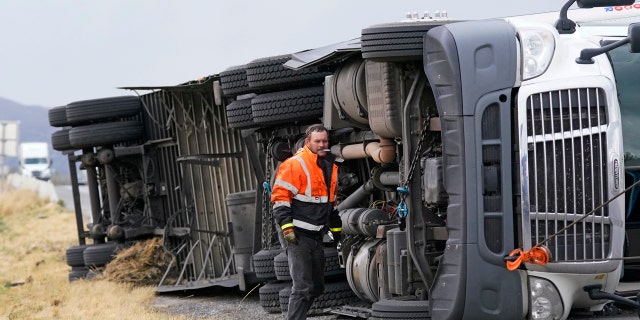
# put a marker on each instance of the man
(304, 198)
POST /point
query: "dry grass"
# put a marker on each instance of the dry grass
(34, 236)
(143, 263)
(18, 201)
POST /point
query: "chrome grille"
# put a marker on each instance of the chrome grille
(567, 166)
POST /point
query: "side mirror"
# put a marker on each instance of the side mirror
(586, 55)
(633, 39)
(564, 25)
(603, 3)
(633, 34)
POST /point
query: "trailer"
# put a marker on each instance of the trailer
(487, 169)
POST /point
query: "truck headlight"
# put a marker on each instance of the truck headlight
(544, 300)
(537, 47)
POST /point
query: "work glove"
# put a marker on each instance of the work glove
(289, 235)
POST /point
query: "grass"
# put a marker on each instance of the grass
(34, 236)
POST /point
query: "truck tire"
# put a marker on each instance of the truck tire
(93, 273)
(395, 41)
(400, 309)
(288, 106)
(284, 295)
(331, 264)
(281, 266)
(60, 140)
(58, 116)
(378, 315)
(263, 264)
(233, 81)
(239, 114)
(269, 296)
(77, 273)
(269, 74)
(101, 134)
(99, 255)
(75, 256)
(335, 294)
(99, 110)
(399, 316)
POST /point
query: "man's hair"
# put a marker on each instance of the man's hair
(314, 128)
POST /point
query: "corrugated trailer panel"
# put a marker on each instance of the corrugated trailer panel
(204, 161)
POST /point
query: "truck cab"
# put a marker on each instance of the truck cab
(34, 160)
(510, 141)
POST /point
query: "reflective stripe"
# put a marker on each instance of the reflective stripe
(305, 198)
(335, 229)
(307, 192)
(286, 185)
(286, 225)
(278, 204)
(306, 225)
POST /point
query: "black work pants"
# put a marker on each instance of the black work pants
(306, 265)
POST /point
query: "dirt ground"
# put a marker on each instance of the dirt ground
(220, 304)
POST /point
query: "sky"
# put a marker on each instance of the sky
(54, 52)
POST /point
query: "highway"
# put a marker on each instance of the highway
(65, 194)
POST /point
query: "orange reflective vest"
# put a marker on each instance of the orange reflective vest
(301, 198)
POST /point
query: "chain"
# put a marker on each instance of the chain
(403, 189)
(416, 155)
(267, 210)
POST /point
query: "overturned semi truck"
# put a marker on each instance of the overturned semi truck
(482, 169)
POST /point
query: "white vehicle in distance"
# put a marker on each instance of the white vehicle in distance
(34, 160)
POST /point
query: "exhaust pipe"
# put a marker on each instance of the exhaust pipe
(382, 151)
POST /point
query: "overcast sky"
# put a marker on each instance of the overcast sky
(53, 52)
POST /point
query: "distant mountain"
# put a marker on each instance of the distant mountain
(34, 127)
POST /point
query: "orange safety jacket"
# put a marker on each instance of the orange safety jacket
(301, 198)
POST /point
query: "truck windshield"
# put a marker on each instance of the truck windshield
(626, 67)
(35, 161)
